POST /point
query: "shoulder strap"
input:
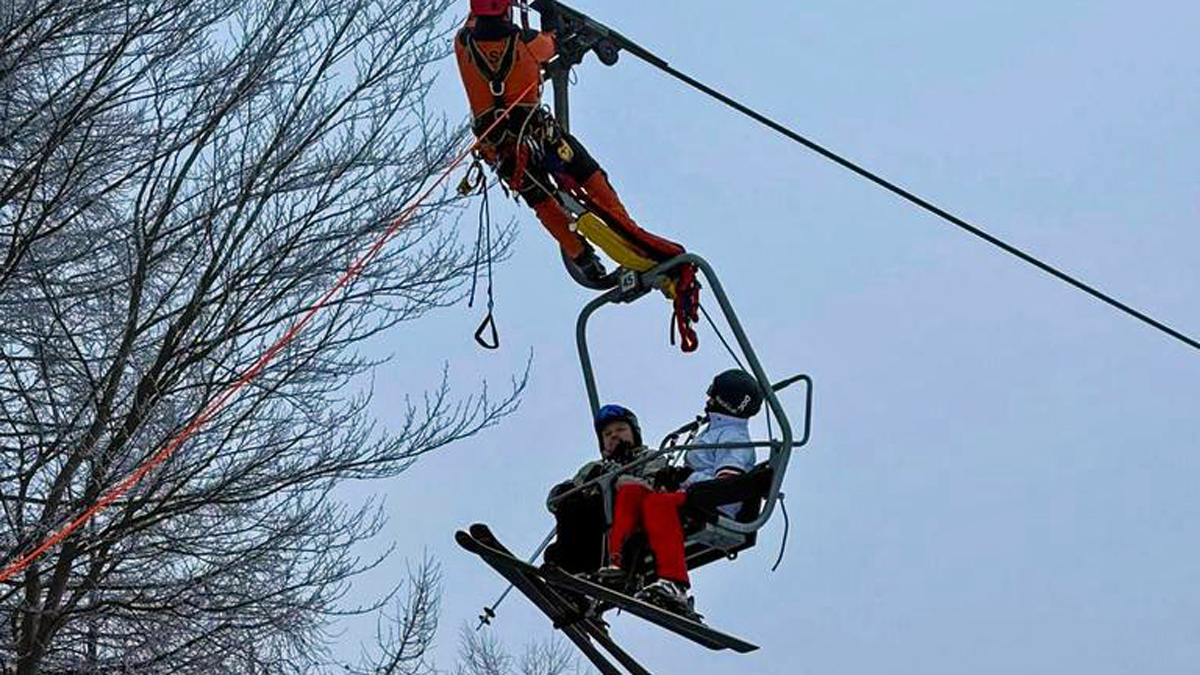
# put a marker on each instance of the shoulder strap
(495, 77)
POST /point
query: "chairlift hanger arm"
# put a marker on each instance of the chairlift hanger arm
(559, 70)
(577, 34)
(591, 35)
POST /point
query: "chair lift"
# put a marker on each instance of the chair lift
(716, 535)
(713, 535)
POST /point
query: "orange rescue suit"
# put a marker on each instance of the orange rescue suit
(498, 62)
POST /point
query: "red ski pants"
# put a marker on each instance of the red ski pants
(658, 514)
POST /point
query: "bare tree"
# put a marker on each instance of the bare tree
(482, 654)
(179, 180)
(405, 636)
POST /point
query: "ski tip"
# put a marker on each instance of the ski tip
(465, 540)
(480, 530)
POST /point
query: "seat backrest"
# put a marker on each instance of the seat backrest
(705, 541)
(706, 498)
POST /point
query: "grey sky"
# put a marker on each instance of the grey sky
(1002, 476)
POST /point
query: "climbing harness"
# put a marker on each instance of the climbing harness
(496, 79)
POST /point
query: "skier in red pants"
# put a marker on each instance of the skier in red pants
(733, 398)
(658, 515)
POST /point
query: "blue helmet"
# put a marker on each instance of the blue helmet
(617, 413)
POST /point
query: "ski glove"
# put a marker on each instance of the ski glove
(555, 492)
(590, 471)
(669, 478)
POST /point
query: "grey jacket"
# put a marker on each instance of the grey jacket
(641, 474)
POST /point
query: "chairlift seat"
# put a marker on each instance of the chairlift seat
(706, 542)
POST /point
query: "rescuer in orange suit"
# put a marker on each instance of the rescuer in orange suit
(500, 62)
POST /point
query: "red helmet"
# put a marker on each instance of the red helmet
(491, 7)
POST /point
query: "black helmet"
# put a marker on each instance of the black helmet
(617, 413)
(735, 392)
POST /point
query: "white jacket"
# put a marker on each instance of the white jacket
(709, 463)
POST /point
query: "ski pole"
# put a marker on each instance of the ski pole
(489, 613)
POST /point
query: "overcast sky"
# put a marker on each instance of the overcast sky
(1003, 471)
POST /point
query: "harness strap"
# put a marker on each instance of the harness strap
(496, 78)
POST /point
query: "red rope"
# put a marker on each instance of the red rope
(219, 402)
(686, 309)
(517, 183)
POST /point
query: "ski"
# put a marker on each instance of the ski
(693, 630)
(580, 629)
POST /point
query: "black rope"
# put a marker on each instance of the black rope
(713, 325)
(716, 330)
(786, 527)
(905, 194)
(483, 240)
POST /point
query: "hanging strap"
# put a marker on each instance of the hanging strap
(521, 164)
(489, 322)
(483, 246)
(786, 527)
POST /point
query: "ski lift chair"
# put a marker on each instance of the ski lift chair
(710, 534)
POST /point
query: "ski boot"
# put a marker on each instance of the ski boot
(671, 596)
(612, 577)
(590, 266)
(585, 608)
